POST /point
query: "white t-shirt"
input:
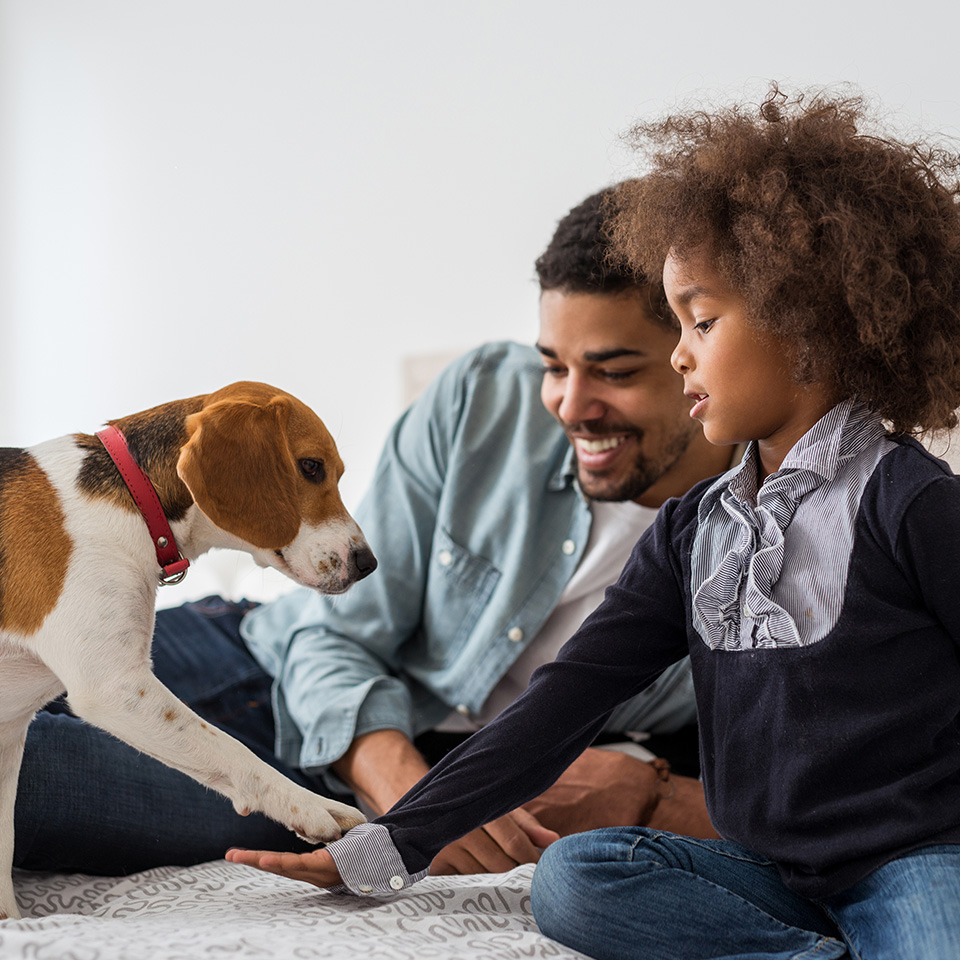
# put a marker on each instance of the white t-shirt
(615, 529)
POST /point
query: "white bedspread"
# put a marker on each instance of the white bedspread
(220, 910)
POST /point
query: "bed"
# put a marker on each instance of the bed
(220, 910)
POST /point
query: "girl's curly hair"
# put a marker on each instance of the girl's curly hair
(845, 245)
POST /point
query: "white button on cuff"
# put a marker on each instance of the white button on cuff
(515, 634)
(445, 558)
(366, 888)
(568, 547)
(463, 710)
(396, 883)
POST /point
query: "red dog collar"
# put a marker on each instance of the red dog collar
(145, 497)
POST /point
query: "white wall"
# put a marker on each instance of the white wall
(198, 191)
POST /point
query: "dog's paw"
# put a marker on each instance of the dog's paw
(346, 816)
(349, 819)
(330, 820)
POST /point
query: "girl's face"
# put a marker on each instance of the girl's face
(738, 379)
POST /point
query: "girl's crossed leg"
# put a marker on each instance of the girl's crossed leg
(629, 891)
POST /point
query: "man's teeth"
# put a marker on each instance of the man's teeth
(598, 446)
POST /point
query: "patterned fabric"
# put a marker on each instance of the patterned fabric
(217, 910)
(750, 587)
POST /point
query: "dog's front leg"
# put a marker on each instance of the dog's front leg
(131, 703)
(103, 661)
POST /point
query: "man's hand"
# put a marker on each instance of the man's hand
(606, 788)
(499, 846)
(316, 867)
(601, 788)
(683, 810)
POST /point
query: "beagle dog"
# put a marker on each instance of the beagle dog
(248, 467)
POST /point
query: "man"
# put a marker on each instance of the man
(506, 499)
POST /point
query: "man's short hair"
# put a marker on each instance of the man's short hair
(577, 259)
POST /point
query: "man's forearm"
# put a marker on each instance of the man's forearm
(380, 767)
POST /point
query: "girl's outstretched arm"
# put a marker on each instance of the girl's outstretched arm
(496, 847)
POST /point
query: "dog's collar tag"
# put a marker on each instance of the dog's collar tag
(144, 495)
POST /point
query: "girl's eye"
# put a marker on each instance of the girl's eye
(704, 326)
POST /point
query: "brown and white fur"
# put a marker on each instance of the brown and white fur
(248, 467)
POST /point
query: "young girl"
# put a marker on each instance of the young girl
(815, 272)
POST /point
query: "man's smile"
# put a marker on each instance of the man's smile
(597, 452)
(598, 446)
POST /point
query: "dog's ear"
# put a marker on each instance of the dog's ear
(239, 469)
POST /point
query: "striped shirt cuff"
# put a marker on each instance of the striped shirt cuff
(369, 863)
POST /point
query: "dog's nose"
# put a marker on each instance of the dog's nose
(361, 562)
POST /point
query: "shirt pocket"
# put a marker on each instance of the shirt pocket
(459, 587)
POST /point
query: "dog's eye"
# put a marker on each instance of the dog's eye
(313, 470)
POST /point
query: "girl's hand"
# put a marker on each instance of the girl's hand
(316, 867)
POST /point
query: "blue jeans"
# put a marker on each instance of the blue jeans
(88, 802)
(631, 892)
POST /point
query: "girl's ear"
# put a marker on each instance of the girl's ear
(239, 469)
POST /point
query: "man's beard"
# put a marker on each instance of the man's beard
(644, 472)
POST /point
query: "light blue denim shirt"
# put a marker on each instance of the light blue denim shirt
(478, 524)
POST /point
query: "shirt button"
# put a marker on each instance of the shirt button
(445, 557)
(366, 888)
(463, 710)
(515, 634)
(568, 547)
(396, 883)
